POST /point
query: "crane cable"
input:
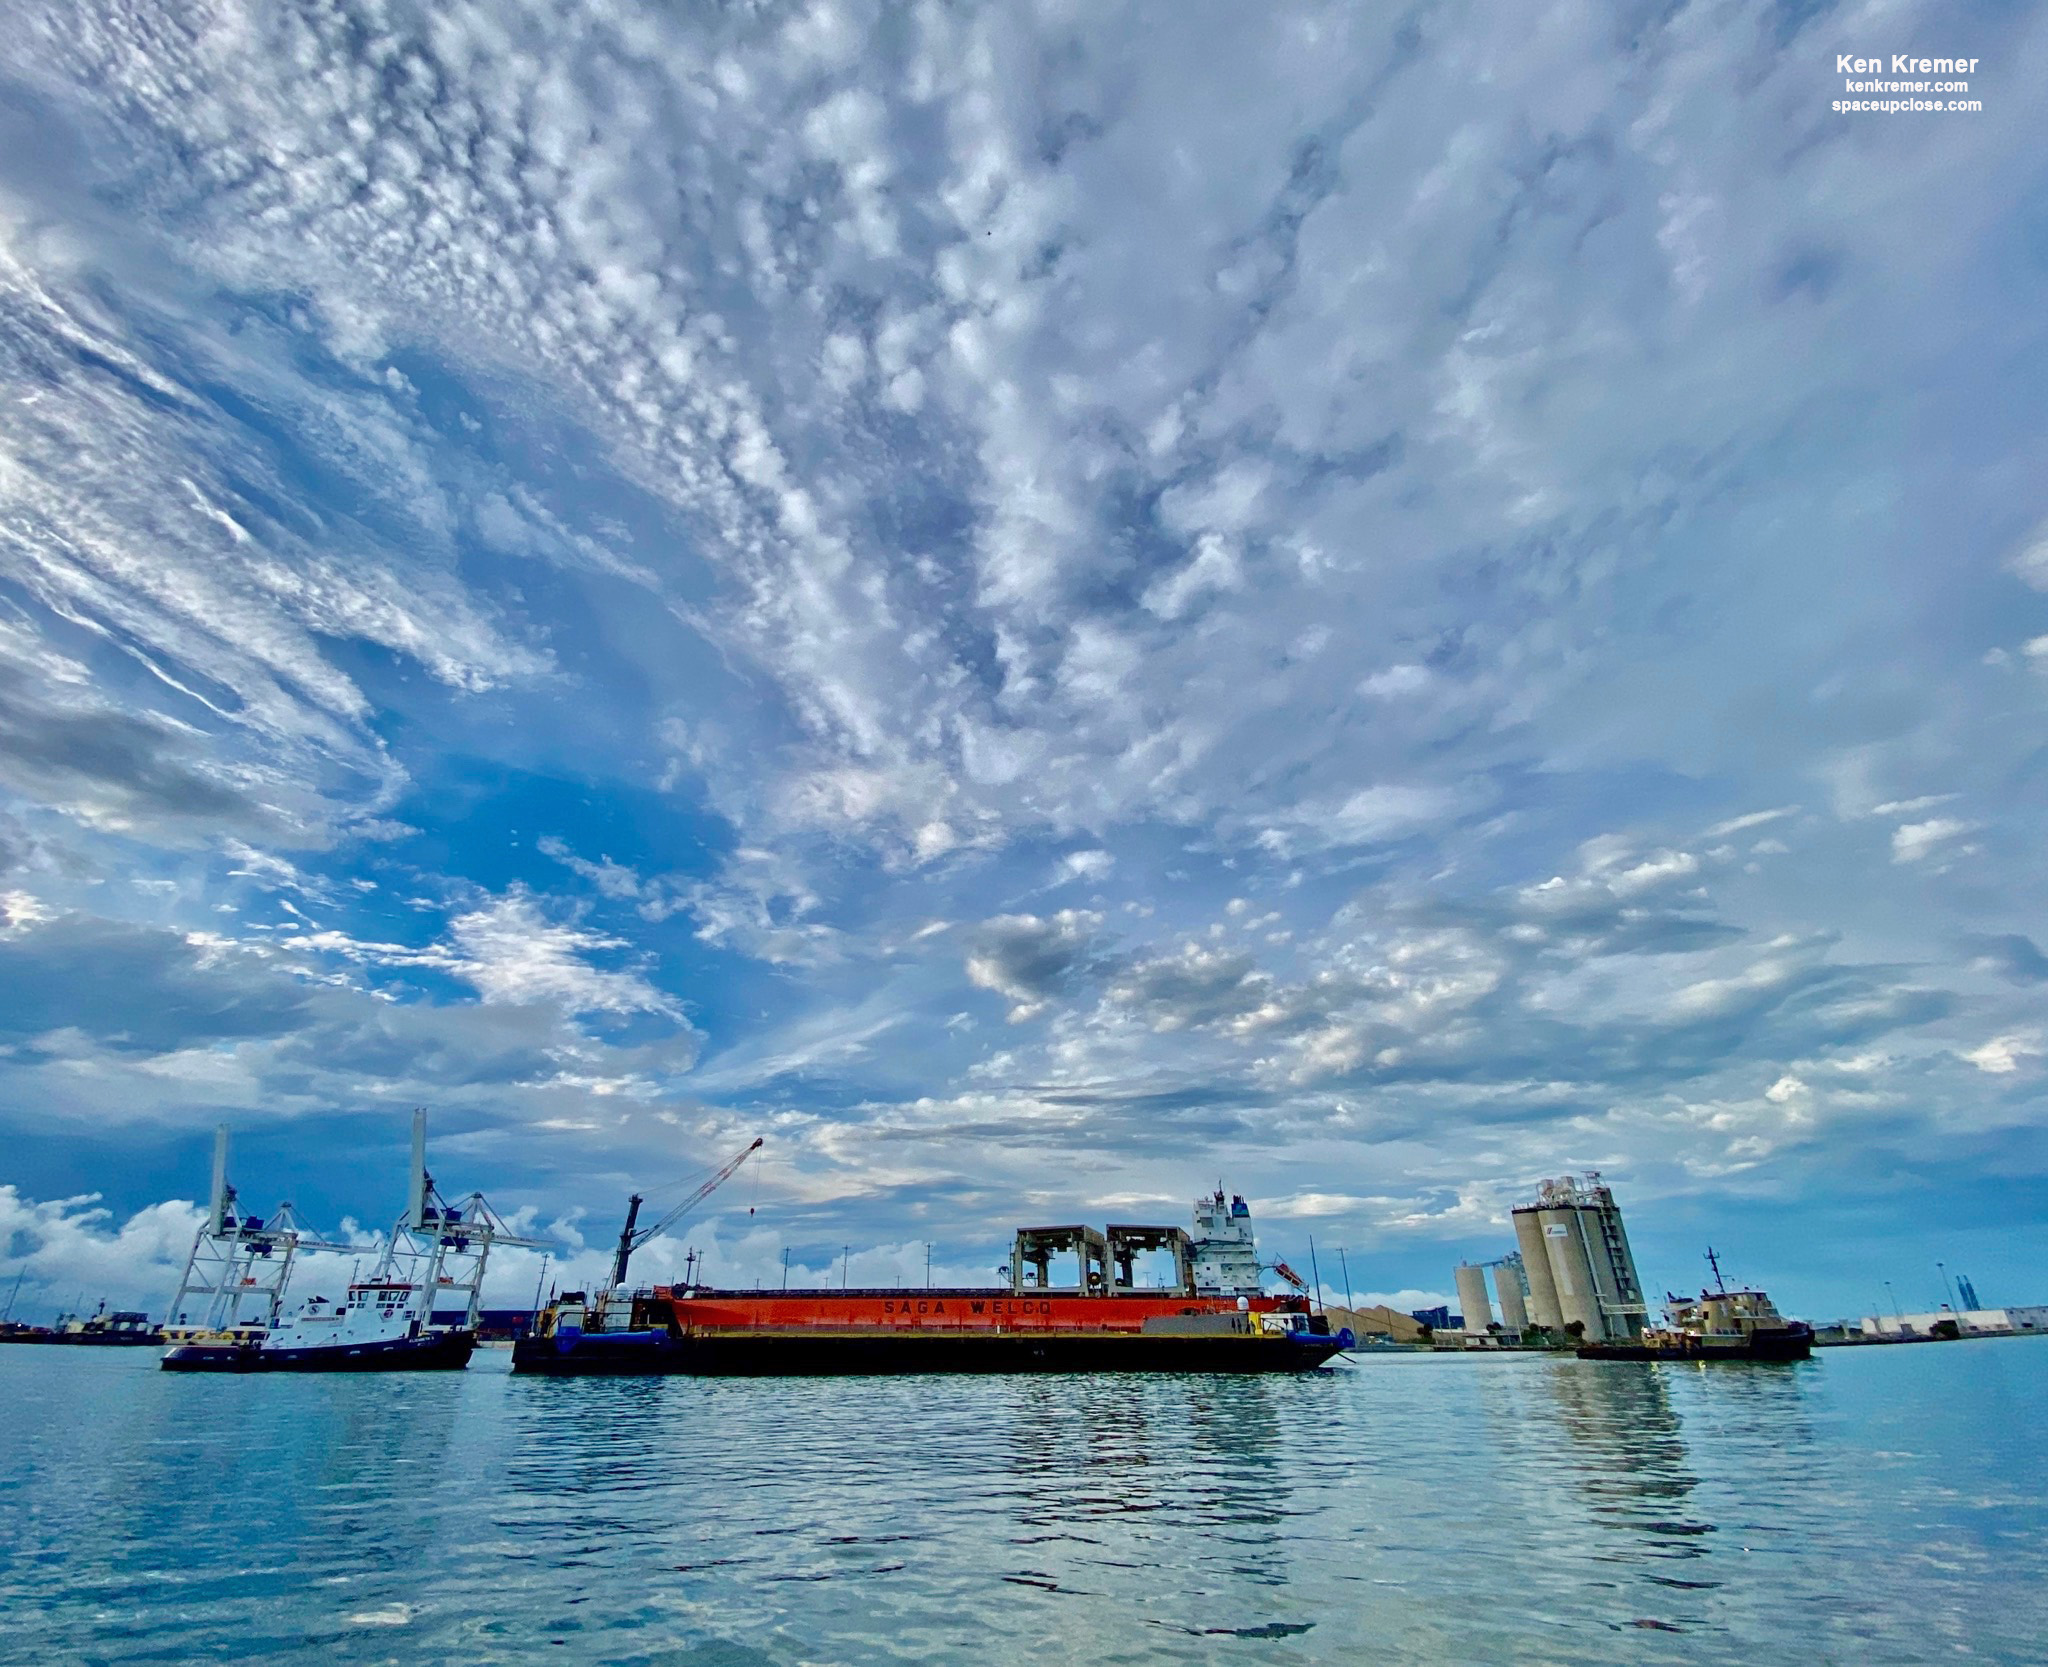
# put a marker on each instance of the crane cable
(718, 1180)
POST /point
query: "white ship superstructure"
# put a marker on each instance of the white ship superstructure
(1226, 1256)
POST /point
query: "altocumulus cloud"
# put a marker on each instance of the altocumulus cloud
(624, 572)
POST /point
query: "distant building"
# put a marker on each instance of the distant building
(1970, 1322)
(1386, 1325)
(1439, 1318)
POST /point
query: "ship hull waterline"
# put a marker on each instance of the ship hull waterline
(815, 1354)
(441, 1352)
(1788, 1346)
(78, 1342)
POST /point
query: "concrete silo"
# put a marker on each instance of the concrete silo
(1472, 1297)
(1507, 1281)
(1584, 1250)
(1572, 1270)
(1543, 1308)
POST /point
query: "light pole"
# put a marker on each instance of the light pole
(845, 1256)
(1946, 1286)
(1897, 1312)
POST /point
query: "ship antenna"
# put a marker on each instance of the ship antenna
(1720, 1284)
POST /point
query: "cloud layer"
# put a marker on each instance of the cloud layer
(1386, 604)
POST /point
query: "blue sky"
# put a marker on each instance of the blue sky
(1041, 606)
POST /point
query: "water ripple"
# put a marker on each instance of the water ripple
(1873, 1506)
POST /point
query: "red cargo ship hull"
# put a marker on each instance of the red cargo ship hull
(962, 1310)
(761, 1333)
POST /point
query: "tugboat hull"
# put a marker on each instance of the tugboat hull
(446, 1351)
(1794, 1343)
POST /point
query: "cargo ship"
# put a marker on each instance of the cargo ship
(1211, 1316)
(1742, 1324)
(417, 1310)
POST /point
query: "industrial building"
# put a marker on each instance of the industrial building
(1582, 1274)
(1969, 1322)
(1571, 1274)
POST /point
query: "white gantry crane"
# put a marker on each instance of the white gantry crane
(439, 1250)
(235, 1277)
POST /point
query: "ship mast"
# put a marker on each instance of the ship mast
(1720, 1284)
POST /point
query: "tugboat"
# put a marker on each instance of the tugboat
(124, 1328)
(1213, 1317)
(1742, 1324)
(417, 1311)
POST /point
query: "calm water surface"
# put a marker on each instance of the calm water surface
(1876, 1505)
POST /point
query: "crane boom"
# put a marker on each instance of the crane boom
(631, 1239)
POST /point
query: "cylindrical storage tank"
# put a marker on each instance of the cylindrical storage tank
(1543, 1306)
(1628, 1282)
(1514, 1314)
(1472, 1297)
(1572, 1272)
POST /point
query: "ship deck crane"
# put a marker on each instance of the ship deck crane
(633, 1237)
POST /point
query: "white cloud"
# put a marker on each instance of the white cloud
(67, 1247)
(2029, 563)
(2001, 1055)
(1092, 866)
(1914, 841)
(1395, 681)
(1213, 568)
(511, 950)
(1751, 819)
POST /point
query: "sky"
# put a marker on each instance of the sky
(1043, 605)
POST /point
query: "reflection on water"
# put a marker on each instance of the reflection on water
(1631, 1455)
(1417, 1508)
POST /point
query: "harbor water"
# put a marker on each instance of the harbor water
(1872, 1505)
